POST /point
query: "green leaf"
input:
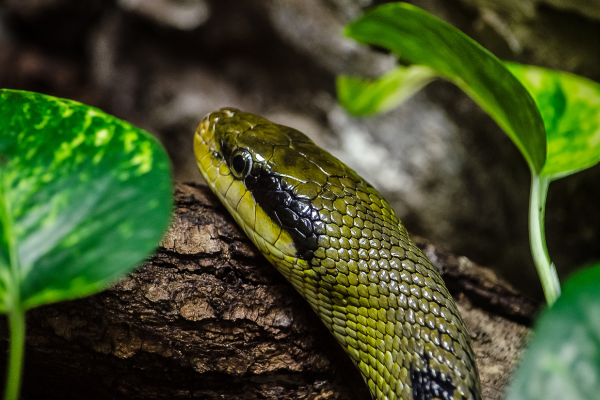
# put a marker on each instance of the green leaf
(84, 197)
(570, 108)
(363, 97)
(563, 357)
(419, 38)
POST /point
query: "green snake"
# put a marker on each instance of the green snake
(340, 244)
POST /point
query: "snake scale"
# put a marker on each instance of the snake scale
(340, 244)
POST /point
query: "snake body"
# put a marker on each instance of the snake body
(340, 244)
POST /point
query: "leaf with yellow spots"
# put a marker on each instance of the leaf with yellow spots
(84, 198)
(570, 108)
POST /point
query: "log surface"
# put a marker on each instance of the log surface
(207, 317)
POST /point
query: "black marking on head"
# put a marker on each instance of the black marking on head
(295, 216)
(429, 384)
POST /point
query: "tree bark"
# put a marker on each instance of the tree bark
(207, 317)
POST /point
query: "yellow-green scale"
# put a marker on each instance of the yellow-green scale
(371, 286)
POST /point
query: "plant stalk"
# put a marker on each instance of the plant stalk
(12, 300)
(16, 319)
(537, 238)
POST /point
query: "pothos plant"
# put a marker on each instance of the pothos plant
(84, 198)
(554, 119)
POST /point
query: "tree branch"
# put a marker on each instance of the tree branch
(207, 317)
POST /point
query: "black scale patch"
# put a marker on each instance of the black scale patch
(295, 216)
(429, 384)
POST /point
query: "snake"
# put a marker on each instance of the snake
(335, 238)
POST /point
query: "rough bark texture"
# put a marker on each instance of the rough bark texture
(208, 318)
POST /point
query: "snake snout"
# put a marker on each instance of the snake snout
(229, 111)
(209, 123)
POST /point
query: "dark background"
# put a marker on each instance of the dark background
(449, 171)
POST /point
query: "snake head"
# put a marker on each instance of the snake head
(267, 175)
(230, 135)
(225, 131)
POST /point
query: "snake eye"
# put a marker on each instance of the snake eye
(241, 163)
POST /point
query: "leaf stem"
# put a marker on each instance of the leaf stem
(537, 238)
(16, 318)
(12, 297)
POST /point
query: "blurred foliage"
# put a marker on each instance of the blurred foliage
(570, 108)
(563, 357)
(84, 198)
(419, 38)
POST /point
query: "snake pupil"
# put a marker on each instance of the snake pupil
(239, 163)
